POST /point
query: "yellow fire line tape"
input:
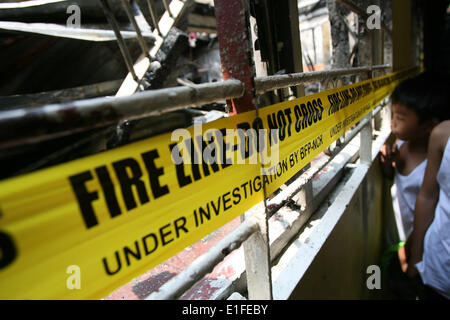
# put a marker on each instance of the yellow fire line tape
(81, 229)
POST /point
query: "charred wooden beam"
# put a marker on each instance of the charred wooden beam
(175, 43)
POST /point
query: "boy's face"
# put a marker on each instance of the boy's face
(405, 122)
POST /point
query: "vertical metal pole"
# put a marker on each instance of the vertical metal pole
(377, 59)
(233, 31)
(293, 45)
(365, 150)
(366, 137)
(235, 49)
(305, 196)
(366, 55)
(151, 8)
(401, 35)
(129, 11)
(167, 7)
(122, 46)
(139, 17)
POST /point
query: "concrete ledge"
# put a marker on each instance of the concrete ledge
(301, 253)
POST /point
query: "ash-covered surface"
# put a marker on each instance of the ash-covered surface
(174, 46)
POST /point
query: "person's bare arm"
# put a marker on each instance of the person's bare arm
(427, 199)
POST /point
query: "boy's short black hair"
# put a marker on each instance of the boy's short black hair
(428, 94)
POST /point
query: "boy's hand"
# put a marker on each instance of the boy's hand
(402, 257)
(388, 156)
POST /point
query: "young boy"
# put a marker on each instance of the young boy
(415, 113)
(429, 244)
(419, 104)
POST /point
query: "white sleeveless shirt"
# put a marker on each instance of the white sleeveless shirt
(404, 193)
(435, 265)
